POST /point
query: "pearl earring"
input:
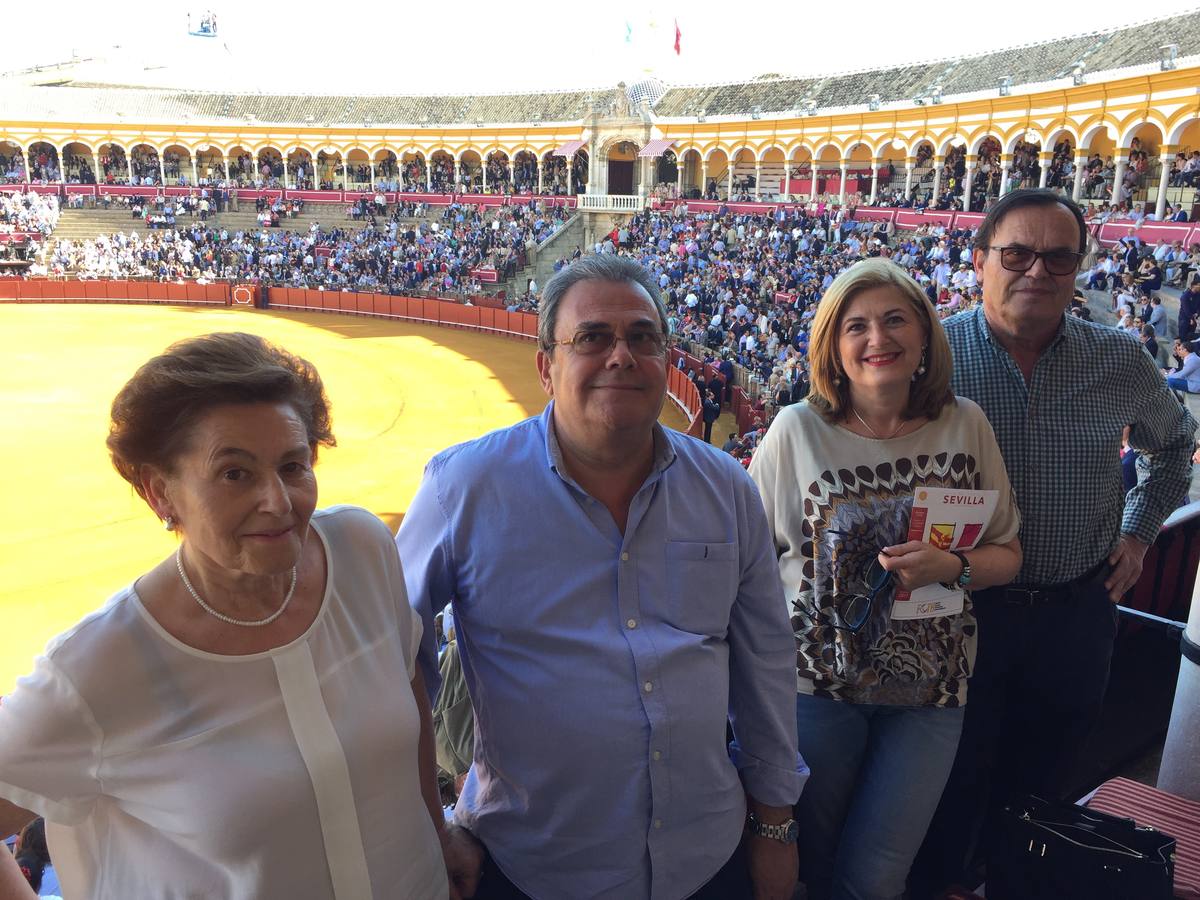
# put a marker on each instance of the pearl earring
(169, 523)
(920, 366)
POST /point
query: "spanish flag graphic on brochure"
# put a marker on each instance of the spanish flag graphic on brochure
(948, 519)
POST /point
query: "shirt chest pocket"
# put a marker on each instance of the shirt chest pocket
(702, 581)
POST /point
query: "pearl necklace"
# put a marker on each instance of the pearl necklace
(874, 433)
(224, 618)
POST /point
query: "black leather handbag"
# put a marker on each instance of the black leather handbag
(1060, 851)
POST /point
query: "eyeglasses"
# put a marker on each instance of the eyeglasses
(596, 343)
(1057, 262)
(855, 610)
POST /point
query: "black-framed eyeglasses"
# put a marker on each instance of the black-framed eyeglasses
(855, 610)
(1057, 262)
(595, 343)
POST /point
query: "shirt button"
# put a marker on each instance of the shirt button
(624, 557)
(648, 686)
(657, 754)
(658, 823)
(631, 623)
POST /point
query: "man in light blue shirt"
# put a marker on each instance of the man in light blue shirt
(616, 600)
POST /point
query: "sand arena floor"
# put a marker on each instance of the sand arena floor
(72, 531)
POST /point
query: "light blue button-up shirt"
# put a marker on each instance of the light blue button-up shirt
(603, 667)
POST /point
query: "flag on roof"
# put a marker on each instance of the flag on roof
(678, 35)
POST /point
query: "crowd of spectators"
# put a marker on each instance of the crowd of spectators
(390, 256)
(32, 212)
(742, 289)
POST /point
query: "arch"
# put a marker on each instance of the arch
(357, 169)
(498, 167)
(79, 163)
(858, 152)
(177, 163)
(441, 171)
(1092, 128)
(524, 166)
(144, 160)
(1138, 123)
(666, 171)
(386, 165)
(330, 170)
(820, 153)
(900, 143)
(688, 159)
(470, 169)
(113, 162)
(717, 170)
(301, 169)
(241, 165)
(210, 164)
(43, 161)
(1180, 133)
(12, 162)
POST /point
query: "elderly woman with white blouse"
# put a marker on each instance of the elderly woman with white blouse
(245, 719)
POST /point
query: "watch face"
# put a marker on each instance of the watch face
(792, 832)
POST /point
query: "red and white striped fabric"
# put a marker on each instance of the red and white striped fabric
(1171, 815)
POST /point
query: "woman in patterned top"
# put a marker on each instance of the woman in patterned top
(880, 699)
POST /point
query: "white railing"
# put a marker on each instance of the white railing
(611, 202)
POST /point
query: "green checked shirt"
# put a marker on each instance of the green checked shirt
(1061, 439)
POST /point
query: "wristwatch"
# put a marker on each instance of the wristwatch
(964, 577)
(785, 832)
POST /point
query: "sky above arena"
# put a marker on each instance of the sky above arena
(473, 47)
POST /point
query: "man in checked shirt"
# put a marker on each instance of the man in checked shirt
(1058, 392)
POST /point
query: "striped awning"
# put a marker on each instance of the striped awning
(569, 148)
(656, 148)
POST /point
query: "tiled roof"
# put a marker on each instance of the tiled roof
(1099, 51)
(111, 103)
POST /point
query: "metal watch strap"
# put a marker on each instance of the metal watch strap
(784, 832)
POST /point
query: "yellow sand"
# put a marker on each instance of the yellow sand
(72, 532)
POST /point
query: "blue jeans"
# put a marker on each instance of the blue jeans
(1178, 383)
(877, 775)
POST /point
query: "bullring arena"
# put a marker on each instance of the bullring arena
(398, 242)
(400, 392)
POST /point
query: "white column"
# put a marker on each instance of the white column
(678, 177)
(730, 171)
(939, 163)
(757, 179)
(875, 179)
(541, 164)
(129, 164)
(287, 178)
(1077, 187)
(457, 172)
(1119, 178)
(968, 177)
(1044, 160)
(483, 173)
(195, 172)
(1179, 772)
(703, 177)
(428, 176)
(842, 186)
(371, 163)
(225, 164)
(162, 169)
(1005, 166)
(909, 164)
(1160, 203)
